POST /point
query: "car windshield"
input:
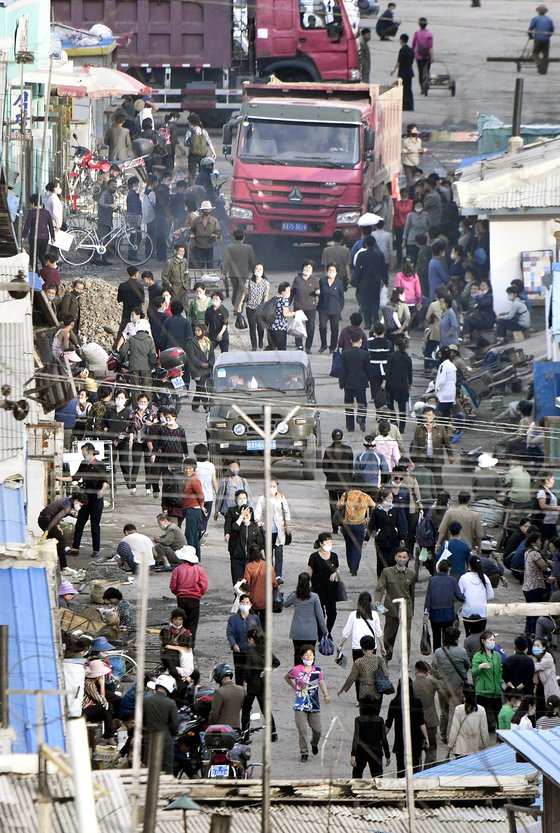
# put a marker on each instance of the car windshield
(292, 143)
(270, 376)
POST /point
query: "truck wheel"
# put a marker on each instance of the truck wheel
(310, 458)
(292, 75)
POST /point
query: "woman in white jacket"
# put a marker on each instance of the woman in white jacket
(362, 622)
(477, 590)
(446, 383)
(281, 525)
(469, 729)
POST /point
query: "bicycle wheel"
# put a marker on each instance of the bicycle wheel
(82, 249)
(135, 247)
(124, 667)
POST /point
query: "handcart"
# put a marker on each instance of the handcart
(439, 78)
(211, 276)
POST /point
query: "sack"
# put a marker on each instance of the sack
(340, 594)
(382, 682)
(277, 600)
(426, 532)
(326, 646)
(240, 322)
(266, 313)
(336, 365)
(381, 399)
(198, 144)
(425, 642)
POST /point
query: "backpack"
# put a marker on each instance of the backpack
(266, 313)
(199, 145)
(426, 532)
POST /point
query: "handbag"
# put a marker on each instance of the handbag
(277, 600)
(381, 399)
(336, 364)
(339, 517)
(326, 646)
(382, 682)
(240, 322)
(340, 594)
(425, 641)
(341, 658)
(287, 535)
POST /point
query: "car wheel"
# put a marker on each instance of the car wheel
(310, 458)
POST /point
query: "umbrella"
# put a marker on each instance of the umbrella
(369, 219)
(91, 81)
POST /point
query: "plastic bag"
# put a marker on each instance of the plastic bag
(383, 296)
(296, 325)
(326, 646)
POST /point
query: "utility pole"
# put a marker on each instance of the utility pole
(405, 711)
(142, 619)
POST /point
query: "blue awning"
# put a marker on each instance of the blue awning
(25, 606)
(12, 513)
(542, 749)
(496, 760)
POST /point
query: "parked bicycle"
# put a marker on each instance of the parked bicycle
(132, 244)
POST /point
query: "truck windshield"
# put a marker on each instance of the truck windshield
(254, 377)
(296, 143)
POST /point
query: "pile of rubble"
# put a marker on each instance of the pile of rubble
(100, 313)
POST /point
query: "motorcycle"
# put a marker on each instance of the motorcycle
(193, 721)
(167, 377)
(226, 753)
(86, 162)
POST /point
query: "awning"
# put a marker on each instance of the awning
(90, 81)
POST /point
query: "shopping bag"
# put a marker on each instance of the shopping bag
(382, 682)
(336, 365)
(277, 600)
(326, 646)
(63, 240)
(296, 325)
(340, 593)
(240, 322)
(425, 642)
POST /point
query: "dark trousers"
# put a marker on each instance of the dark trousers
(540, 55)
(445, 409)
(141, 452)
(100, 714)
(423, 66)
(237, 567)
(492, 706)
(151, 228)
(191, 609)
(474, 626)
(437, 631)
(239, 662)
(193, 163)
(359, 396)
(369, 307)
(200, 393)
(334, 496)
(250, 698)
(256, 332)
(329, 320)
(402, 402)
(385, 557)
(328, 607)
(278, 339)
(373, 760)
(504, 325)
(162, 233)
(205, 518)
(408, 95)
(416, 762)
(398, 232)
(431, 346)
(92, 513)
(237, 287)
(222, 345)
(390, 631)
(193, 517)
(277, 555)
(122, 455)
(539, 594)
(58, 536)
(202, 258)
(298, 645)
(42, 246)
(354, 538)
(310, 327)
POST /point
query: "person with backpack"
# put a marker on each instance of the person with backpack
(371, 465)
(198, 145)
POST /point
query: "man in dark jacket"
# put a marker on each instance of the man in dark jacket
(354, 381)
(142, 352)
(305, 296)
(160, 715)
(331, 303)
(177, 329)
(338, 460)
(239, 262)
(130, 294)
(228, 698)
(164, 217)
(94, 485)
(370, 273)
(50, 517)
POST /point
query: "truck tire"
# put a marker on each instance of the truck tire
(293, 75)
(310, 458)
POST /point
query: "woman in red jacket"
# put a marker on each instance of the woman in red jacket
(188, 584)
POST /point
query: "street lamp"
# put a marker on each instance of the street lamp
(185, 804)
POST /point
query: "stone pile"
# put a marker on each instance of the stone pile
(99, 311)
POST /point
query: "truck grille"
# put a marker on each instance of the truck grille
(273, 197)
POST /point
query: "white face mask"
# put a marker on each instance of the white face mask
(273, 490)
(307, 662)
(327, 546)
(258, 273)
(216, 303)
(244, 608)
(178, 256)
(121, 401)
(418, 209)
(490, 644)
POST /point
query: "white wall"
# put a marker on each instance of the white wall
(509, 236)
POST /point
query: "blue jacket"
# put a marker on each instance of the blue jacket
(437, 276)
(370, 464)
(331, 299)
(237, 628)
(541, 27)
(460, 552)
(440, 595)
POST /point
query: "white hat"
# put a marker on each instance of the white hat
(206, 204)
(486, 461)
(143, 326)
(367, 219)
(166, 681)
(187, 553)
(454, 347)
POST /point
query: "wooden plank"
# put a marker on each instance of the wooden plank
(524, 609)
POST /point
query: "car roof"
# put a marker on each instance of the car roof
(264, 357)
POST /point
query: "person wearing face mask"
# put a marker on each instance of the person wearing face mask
(307, 679)
(545, 673)
(486, 670)
(354, 510)
(524, 718)
(386, 527)
(281, 525)
(240, 533)
(255, 577)
(396, 582)
(176, 274)
(216, 319)
(537, 571)
(52, 515)
(481, 315)
(416, 223)
(323, 567)
(331, 304)
(138, 431)
(228, 487)
(117, 419)
(256, 292)
(304, 295)
(200, 360)
(93, 476)
(516, 319)
(238, 626)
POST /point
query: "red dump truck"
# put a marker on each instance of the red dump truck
(197, 53)
(310, 158)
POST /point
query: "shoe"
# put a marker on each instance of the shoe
(195, 407)
(314, 748)
(335, 531)
(362, 426)
(73, 551)
(203, 535)
(308, 352)
(155, 495)
(280, 580)
(456, 437)
(133, 490)
(304, 756)
(148, 491)
(95, 554)
(323, 349)
(274, 737)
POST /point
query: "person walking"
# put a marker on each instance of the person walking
(545, 674)
(198, 144)
(331, 304)
(396, 582)
(118, 139)
(308, 616)
(369, 275)
(387, 528)
(354, 508)
(307, 679)
(477, 590)
(323, 567)
(439, 609)
(229, 487)
(337, 467)
(339, 254)
(399, 380)
(256, 292)
(239, 625)
(487, 677)
(117, 419)
(200, 360)
(189, 584)
(541, 29)
(278, 329)
(372, 466)
(353, 380)
(364, 621)
(50, 518)
(537, 571)
(404, 69)
(239, 262)
(53, 203)
(140, 351)
(304, 295)
(411, 151)
(430, 443)
(423, 47)
(193, 505)
(472, 530)
(369, 741)
(160, 716)
(255, 578)
(426, 686)
(253, 678)
(469, 729)
(142, 421)
(131, 294)
(363, 673)
(365, 54)
(241, 533)
(163, 216)
(176, 274)
(546, 508)
(205, 231)
(38, 223)
(92, 475)
(419, 732)
(281, 525)
(451, 664)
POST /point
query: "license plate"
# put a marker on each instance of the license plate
(178, 382)
(294, 226)
(219, 771)
(258, 445)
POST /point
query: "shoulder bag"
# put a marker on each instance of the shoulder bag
(340, 594)
(287, 535)
(336, 366)
(339, 517)
(382, 682)
(458, 670)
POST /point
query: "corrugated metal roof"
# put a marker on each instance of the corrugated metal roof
(542, 749)
(12, 513)
(25, 606)
(496, 760)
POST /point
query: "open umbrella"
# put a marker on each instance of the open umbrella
(102, 82)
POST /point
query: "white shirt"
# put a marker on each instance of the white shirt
(206, 471)
(358, 628)
(141, 547)
(54, 206)
(476, 595)
(446, 382)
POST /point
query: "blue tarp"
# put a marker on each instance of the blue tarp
(12, 514)
(25, 607)
(496, 760)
